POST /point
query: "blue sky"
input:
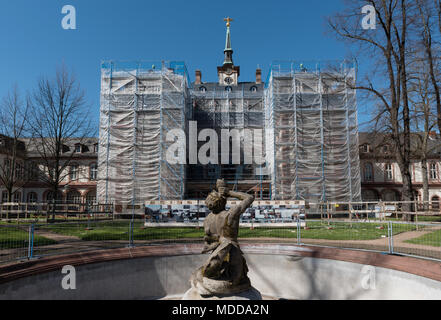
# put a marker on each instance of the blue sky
(33, 42)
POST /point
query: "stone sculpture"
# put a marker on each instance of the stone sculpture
(224, 275)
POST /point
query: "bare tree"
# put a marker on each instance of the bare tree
(424, 121)
(59, 115)
(388, 83)
(12, 149)
(427, 15)
(438, 8)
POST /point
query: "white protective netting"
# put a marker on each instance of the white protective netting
(140, 103)
(312, 133)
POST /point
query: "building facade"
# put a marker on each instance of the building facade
(79, 177)
(301, 123)
(381, 177)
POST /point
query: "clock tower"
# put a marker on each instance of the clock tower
(228, 73)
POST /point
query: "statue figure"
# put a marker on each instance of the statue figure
(225, 271)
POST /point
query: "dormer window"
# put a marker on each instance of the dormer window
(202, 89)
(95, 148)
(228, 89)
(78, 148)
(385, 148)
(365, 148)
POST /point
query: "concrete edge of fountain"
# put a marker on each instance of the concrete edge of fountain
(420, 267)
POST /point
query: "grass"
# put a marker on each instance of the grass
(12, 238)
(335, 231)
(429, 239)
(316, 230)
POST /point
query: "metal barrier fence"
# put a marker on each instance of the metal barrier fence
(33, 210)
(260, 210)
(29, 241)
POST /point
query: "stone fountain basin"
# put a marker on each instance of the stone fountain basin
(278, 271)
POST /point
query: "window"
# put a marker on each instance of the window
(389, 173)
(33, 171)
(73, 172)
(91, 197)
(228, 89)
(202, 89)
(74, 197)
(253, 89)
(17, 197)
(93, 172)
(7, 165)
(95, 148)
(435, 203)
(18, 171)
(78, 148)
(433, 171)
(365, 148)
(385, 148)
(32, 197)
(368, 172)
(50, 196)
(4, 196)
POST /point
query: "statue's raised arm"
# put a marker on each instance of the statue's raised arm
(246, 199)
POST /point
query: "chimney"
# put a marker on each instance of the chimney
(258, 76)
(198, 77)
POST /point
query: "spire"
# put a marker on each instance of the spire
(228, 50)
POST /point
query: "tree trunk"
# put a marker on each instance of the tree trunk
(407, 195)
(54, 202)
(425, 184)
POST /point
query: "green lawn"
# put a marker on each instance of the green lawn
(317, 230)
(430, 239)
(11, 238)
(335, 231)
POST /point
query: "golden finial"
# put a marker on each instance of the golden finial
(228, 20)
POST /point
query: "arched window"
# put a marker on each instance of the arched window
(369, 195)
(4, 196)
(368, 172)
(32, 197)
(73, 197)
(93, 172)
(435, 203)
(228, 89)
(202, 89)
(17, 197)
(50, 196)
(91, 197)
(390, 195)
(253, 89)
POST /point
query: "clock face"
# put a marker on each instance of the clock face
(228, 80)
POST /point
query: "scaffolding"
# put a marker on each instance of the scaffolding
(233, 108)
(311, 132)
(140, 103)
